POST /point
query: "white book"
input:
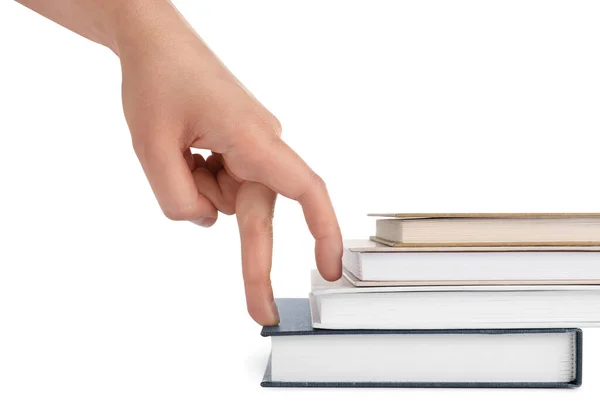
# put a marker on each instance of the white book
(340, 305)
(371, 262)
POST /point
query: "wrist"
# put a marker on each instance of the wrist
(140, 26)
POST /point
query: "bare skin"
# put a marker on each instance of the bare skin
(177, 95)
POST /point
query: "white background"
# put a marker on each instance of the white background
(400, 106)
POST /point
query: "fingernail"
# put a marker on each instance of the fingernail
(205, 221)
(274, 313)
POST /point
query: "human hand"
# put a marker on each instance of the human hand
(177, 95)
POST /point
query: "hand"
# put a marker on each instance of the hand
(178, 95)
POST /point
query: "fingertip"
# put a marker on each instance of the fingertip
(330, 274)
(265, 313)
(205, 221)
(328, 253)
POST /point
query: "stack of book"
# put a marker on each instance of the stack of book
(447, 300)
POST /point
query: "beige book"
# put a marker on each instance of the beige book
(504, 229)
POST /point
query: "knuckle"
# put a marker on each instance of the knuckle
(317, 181)
(258, 226)
(255, 140)
(257, 280)
(314, 185)
(257, 129)
(275, 125)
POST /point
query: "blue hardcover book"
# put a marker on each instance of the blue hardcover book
(302, 356)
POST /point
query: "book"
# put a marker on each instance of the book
(302, 356)
(488, 229)
(340, 305)
(372, 264)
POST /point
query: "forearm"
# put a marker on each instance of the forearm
(116, 24)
